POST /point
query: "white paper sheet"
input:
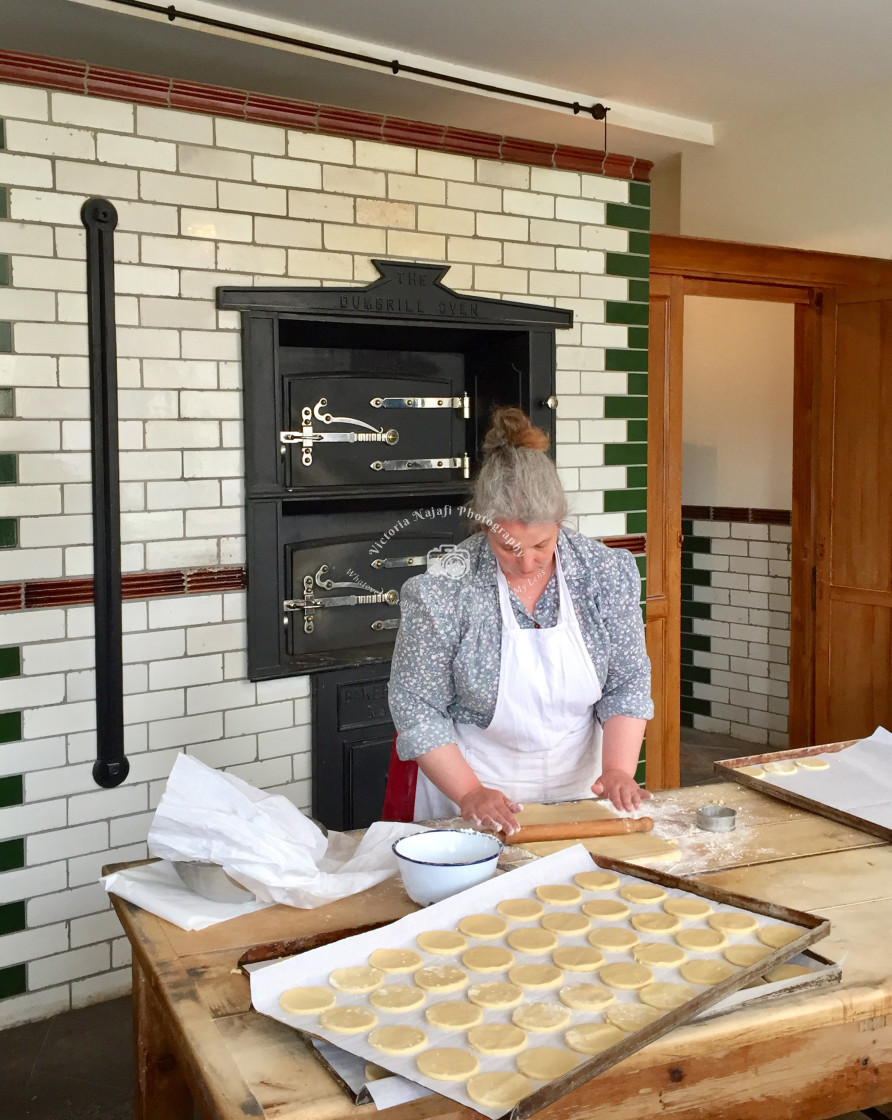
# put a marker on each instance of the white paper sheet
(265, 842)
(156, 887)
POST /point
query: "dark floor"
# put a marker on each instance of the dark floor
(79, 1066)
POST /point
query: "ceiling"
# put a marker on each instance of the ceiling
(673, 72)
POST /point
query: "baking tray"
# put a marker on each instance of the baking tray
(729, 768)
(557, 868)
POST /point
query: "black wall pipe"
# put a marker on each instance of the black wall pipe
(111, 766)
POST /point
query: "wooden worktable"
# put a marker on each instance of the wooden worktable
(803, 1057)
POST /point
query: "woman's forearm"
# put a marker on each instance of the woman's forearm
(446, 768)
(621, 745)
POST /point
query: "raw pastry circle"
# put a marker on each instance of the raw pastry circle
(570, 925)
(778, 936)
(753, 771)
(626, 975)
(497, 1038)
(687, 907)
(521, 909)
(356, 979)
(613, 939)
(787, 972)
(701, 940)
(487, 958)
(706, 972)
(815, 762)
(780, 767)
(485, 926)
(306, 1001)
(545, 1063)
(606, 909)
(397, 997)
(586, 997)
(441, 978)
(348, 1020)
(441, 942)
(559, 894)
(532, 940)
(656, 923)
(535, 976)
(656, 954)
(632, 1016)
(395, 960)
(498, 1090)
(496, 994)
(592, 1038)
(743, 955)
(401, 1039)
(453, 1015)
(596, 881)
(643, 892)
(445, 1063)
(666, 996)
(733, 923)
(577, 958)
(540, 1017)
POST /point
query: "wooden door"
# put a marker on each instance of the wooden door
(853, 601)
(663, 604)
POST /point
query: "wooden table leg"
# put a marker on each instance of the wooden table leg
(160, 1089)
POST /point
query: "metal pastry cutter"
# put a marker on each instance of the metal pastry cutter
(716, 818)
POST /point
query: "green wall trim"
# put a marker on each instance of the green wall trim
(9, 532)
(620, 501)
(2, 135)
(12, 790)
(636, 431)
(10, 661)
(624, 264)
(637, 385)
(628, 217)
(639, 194)
(13, 981)
(5, 338)
(639, 291)
(7, 402)
(638, 338)
(10, 727)
(625, 360)
(12, 854)
(636, 477)
(5, 270)
(624, 454)
(4, 202)
(623, 408)
(9, 471)
(12, 917)
(636, 522)
(639, 242)
(626, 314)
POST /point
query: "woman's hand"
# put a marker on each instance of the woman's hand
(490, 809)
(621, 788)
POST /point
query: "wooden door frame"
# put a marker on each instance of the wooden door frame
(681, 266)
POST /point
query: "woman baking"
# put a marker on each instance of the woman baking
(520, 673)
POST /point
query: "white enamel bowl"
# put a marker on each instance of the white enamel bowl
(439, 863)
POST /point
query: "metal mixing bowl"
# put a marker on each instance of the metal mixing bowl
(211, 881)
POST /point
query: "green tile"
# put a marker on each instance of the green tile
(622, 454)
(627, 217)
(636, 477)
(696, 544)
(8, 469)
(13, 981)
(4, 202)
(10, 661)
(625, 264)
(619, 501)
(625, 359)
(687, 527)
(637, 338)
(697, 673)
(12, 790)
(627, 313)
(687, 626)
(697, 707)
(639, 243)
(12, 854)
(9, 532)
(694, 610)
(7, 403)
(696, 576)
(637, 384)
(636, 431)
(2, 135)
(624, 407)
(639, 194)
(641, 564)
(5, 338)
(686, 719)
(10, 727)
(5, 270)
(643, 590)
(12, 917)
(687, 593)
(641, 772)
(687, 658)
(639, 291)
(687, 688)
(696, 641)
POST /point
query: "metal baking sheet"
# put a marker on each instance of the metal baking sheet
(314, 967)
(853, 816)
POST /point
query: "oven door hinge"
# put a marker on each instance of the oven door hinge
(311, 602)
(401, 562)
(463, 402)
(462, 461)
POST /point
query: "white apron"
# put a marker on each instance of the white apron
(543, 743)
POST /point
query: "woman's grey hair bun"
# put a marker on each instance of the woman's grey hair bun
(517, 480)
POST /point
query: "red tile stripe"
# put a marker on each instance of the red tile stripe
(173, 93)
(752, 516)
(134, 585)
(634, 544)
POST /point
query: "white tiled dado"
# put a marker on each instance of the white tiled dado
(204, 202)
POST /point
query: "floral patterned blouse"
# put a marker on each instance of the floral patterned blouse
(448, 649)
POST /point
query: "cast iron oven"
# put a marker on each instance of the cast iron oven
(364, 413)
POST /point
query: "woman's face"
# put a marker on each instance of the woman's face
(523, 551)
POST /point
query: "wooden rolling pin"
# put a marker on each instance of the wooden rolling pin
(578, 830)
